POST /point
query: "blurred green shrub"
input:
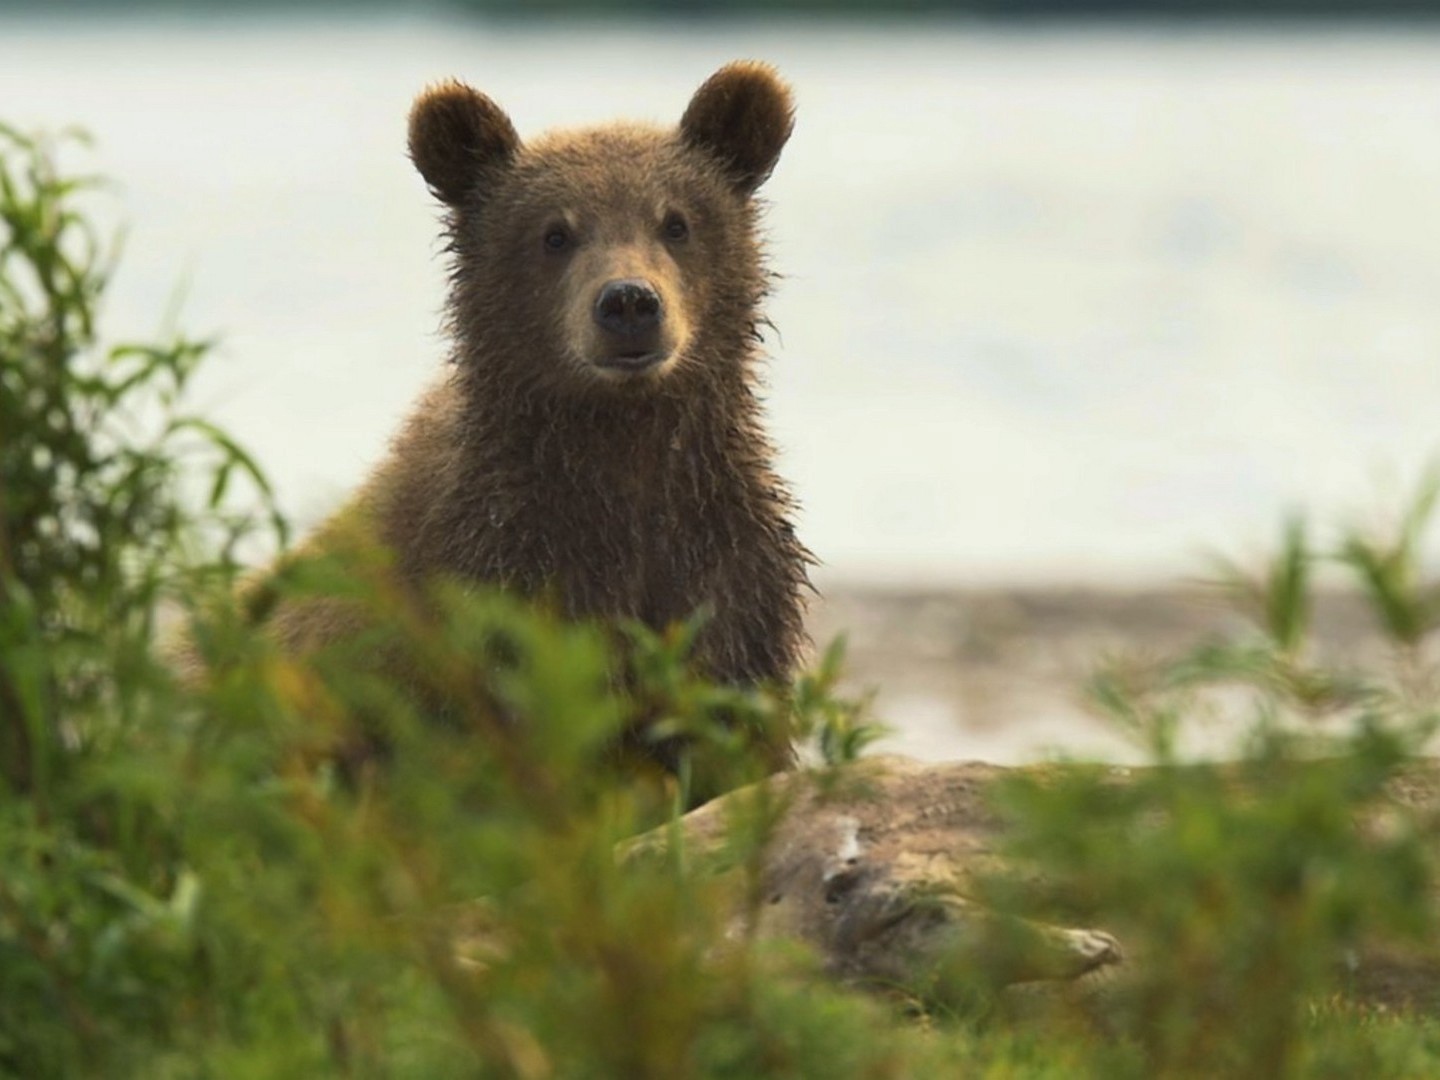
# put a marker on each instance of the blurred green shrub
(94, 911)
(1252, 890)
(90, 520)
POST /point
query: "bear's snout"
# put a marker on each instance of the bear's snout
(635, 325)
(630, 314)
(629, 308)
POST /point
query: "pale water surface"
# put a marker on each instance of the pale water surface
(1057, 304)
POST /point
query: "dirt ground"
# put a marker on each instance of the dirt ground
(998, 674)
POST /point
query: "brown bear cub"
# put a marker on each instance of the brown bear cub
(598, 441)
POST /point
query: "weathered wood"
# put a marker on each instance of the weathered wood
(873, 866)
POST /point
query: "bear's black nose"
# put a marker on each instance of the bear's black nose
(628, 307)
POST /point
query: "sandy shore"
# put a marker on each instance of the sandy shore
(998, 674)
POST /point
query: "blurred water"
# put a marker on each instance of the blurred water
(1057, 304)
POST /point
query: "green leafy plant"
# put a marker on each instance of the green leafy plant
(96, 910)
(90, 466)
(1247, 885)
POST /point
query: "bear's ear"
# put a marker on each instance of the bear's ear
(743, 115)
(455, 134)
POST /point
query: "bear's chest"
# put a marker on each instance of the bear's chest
(622, 525)
(651, 548)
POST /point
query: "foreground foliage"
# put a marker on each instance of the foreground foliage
(194, 880)
(1265, 893)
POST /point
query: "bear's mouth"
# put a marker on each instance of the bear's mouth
(633, 363)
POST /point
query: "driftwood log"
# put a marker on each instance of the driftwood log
(876, 866)
(873, 865)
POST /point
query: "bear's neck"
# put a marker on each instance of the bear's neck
(531, 488)
(644, 506)
(605, 442)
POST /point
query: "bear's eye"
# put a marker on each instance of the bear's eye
(557, 238)
(676, 228)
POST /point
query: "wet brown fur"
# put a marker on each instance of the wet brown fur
(645, 496)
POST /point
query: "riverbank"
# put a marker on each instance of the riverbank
(998, 674)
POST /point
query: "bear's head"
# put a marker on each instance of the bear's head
(623, 256)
